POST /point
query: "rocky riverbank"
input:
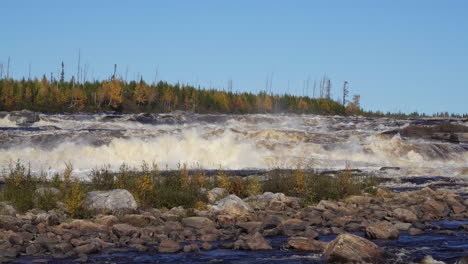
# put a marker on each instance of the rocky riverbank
(119, 225)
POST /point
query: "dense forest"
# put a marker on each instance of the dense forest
(115, 94)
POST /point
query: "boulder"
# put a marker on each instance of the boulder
(291, 227)
(232, 205)
(306, 244)
(6, 209)
(24, 117)
(169, 246)
(254, 242)
(110, 200)
(351, 248)
(273, 201)
(433, 209)
(462, 260)
(415, 231)
(382, 230)
(216, 194)
(404, 215)
(359, 200)
(137, 220)
(121, 230)
(198, 222)
(430, 260)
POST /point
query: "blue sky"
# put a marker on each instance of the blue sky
(398, 55)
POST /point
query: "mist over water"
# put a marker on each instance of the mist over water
(259, 141)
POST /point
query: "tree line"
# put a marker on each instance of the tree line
(116, 94)
(52, 95)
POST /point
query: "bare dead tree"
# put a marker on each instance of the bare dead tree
(345, 91)
(229, 86)
(29, 74)
(1, 70)
(79, 66)
(328, 89)
(115, 71)
(85, 73)
(156, 72)
(62, 74)
(315, 85)
(8, 69)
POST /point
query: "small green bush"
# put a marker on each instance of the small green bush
(19, 187)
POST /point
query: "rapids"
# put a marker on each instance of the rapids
(230, 142)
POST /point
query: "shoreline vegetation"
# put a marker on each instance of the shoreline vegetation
(50, 95)
(144, 210)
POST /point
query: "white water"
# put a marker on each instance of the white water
(228, 142)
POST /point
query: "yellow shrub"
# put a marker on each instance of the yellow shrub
(299, 182)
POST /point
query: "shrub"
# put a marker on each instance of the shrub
(75, 199)
(103, 179)
(254, 187)
(19, 188)
(46, 200)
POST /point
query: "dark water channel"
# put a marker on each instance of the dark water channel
(407, 249)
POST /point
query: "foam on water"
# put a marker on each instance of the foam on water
(260, 141)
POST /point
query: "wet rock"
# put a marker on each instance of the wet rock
(121, 230)
(430, 260)
(254, 242)
(62, 248)
(250, 227)
(402, 226)
(24, 117)
(169, 246)
(306, 244)
(433, 209)
(216, 194)
(381, 230)
(415, 231)
(462, 260)
(198, 222)
(348, 248)
(206, 246)
(86, 249)
(8, 251)
(404, 215)
(233, 206)
(291, 227)
(33, 249)
(110, 200)
(271, 221)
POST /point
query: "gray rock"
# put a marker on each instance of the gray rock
(24, 117)
(430, 260)
(306, 244)
(198, 222)
(169, 246)
(6, 209)
(404, 215)
(415, 231)
(232, 205)
(348, 248)
(463, 260)
(216, 194)
(382, 230)
(110, 200)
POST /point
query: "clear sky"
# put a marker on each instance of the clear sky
(403, 55)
